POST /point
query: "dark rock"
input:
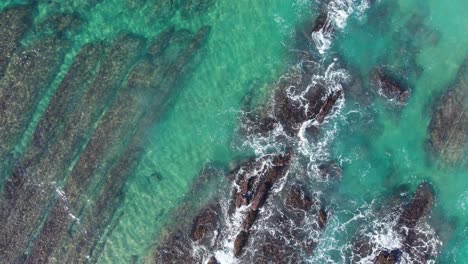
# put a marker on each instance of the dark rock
(240, 243)
(253, 189)
(275, 251)
(386, 257)
(419, 206)
(321, 20)
(111, 194)
(389, 86)
(330, 170)
(14, 22)
(322, 218)
(328, 105)
(249, 219)
(449, 123)
(213, 260)
(292, 113)
(176, 249)
(299, 199)
(205, 222)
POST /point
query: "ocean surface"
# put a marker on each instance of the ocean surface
(172, 149)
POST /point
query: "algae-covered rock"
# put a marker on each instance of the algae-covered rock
(449, 124)
(14, 22)
(390, 87)
(23, 203)
(30, 72)
(110, 196)
(194, 8)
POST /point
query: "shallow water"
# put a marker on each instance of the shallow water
(379, 145)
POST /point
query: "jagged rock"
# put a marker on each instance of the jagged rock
(449, 123)
(389, 86)
(249, 219)
(330, 170)
(386, 257)
(322, 218)
(298, 199)
(213, 260)
(419, 206)
(254, 188)
(240, 242)
(292, 113)
(328, 105)
(205, 222)
(416, 243)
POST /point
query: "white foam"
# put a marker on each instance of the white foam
(338, 13)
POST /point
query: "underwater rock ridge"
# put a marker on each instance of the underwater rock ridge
(449, 123)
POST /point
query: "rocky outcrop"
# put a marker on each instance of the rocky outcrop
(298, 199)
(386, 257)
(419, 206)
(449, 124)
(418, 245)
(255, 180)
(389, 87)
(240, 242)
(206, 222)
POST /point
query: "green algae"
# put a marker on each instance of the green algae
(423, 42)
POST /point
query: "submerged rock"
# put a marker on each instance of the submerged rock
(390, 87)
(30, 72)
(14, 22)
(449, 124)
(105, 209)
(327, 105)
(419, 206)
(48, 168)
(330, 170)
(192, 8)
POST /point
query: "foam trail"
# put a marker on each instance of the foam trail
(338, 13)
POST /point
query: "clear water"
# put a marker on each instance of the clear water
(250, 47)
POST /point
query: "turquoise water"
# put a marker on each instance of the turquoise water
(380, 146)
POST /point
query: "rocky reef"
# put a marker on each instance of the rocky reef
(449, 124)
(415, 240)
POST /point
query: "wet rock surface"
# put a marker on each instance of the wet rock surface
(105, 209)
(389, 86)
(386, 257)
(21, 193)
(415, 240)
(449, 123)
(14, 22)
(30, 71)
